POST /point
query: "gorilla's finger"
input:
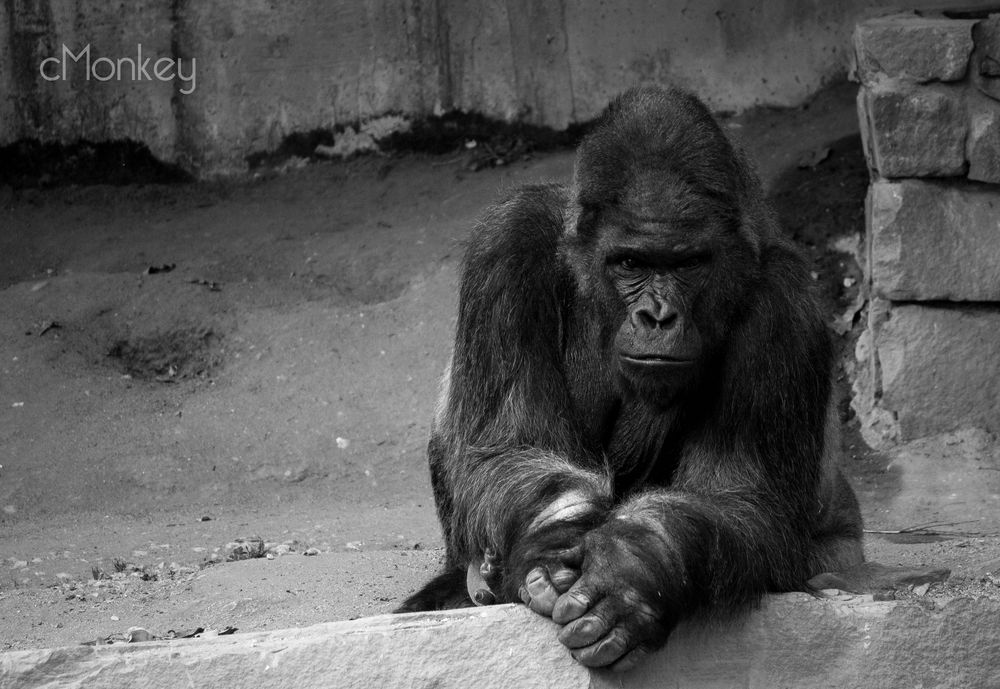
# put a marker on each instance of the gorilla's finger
(541, 592)
(571, 557)
(490, 571)
(574, 603)
(629, 660)
(606, 651)
(584, 631)
(563, 578)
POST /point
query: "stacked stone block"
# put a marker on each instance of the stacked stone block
(929, 107)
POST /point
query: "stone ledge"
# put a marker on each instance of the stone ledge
(794, 640)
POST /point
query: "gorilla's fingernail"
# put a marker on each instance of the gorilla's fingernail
(564, 578)
(535, 575)
(484, 597)
(486, 569)
(524, 595)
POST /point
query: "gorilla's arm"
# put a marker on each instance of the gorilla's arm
(507, 447)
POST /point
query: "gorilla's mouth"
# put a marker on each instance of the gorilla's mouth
(655, 361)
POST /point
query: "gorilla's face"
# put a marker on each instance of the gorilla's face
(657, 269)
(660, 269)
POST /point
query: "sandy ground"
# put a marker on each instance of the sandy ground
(278, 381)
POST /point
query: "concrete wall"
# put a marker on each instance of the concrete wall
(267, 69)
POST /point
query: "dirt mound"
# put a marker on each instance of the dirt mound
(168, 356)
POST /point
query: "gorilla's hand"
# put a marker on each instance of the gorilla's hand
(547, 559)
(619, 609)
(550, 577)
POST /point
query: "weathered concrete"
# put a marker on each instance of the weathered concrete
(795, 641)
(265, 70)
(927, 369)
(917, 131)
(947, 479)
(934, 241)
(913, 48)
(79, 107)
(8, 112)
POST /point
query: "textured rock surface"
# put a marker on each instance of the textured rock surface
(984, 144)
(913, 48)
(987, 39)
(795, 640)
(268, 69)
(934, 241)
(917, 131)
(927, 369)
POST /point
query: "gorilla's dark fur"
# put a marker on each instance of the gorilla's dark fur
(638, 401)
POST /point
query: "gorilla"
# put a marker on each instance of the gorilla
(635, 426)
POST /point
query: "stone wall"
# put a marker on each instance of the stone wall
(930, 117)
(266, 70)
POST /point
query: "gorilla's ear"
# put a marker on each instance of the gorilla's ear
(575, 245)
(757, 223)
(579, 218)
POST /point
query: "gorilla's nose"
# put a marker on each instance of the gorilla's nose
(654, 315)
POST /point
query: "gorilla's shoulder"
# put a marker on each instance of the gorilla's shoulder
(525, 222)
(512, 264)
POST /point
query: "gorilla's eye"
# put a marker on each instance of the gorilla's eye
(627, 264)
(628, 268)
(689, 262)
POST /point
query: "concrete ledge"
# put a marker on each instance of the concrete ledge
(794, 641)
